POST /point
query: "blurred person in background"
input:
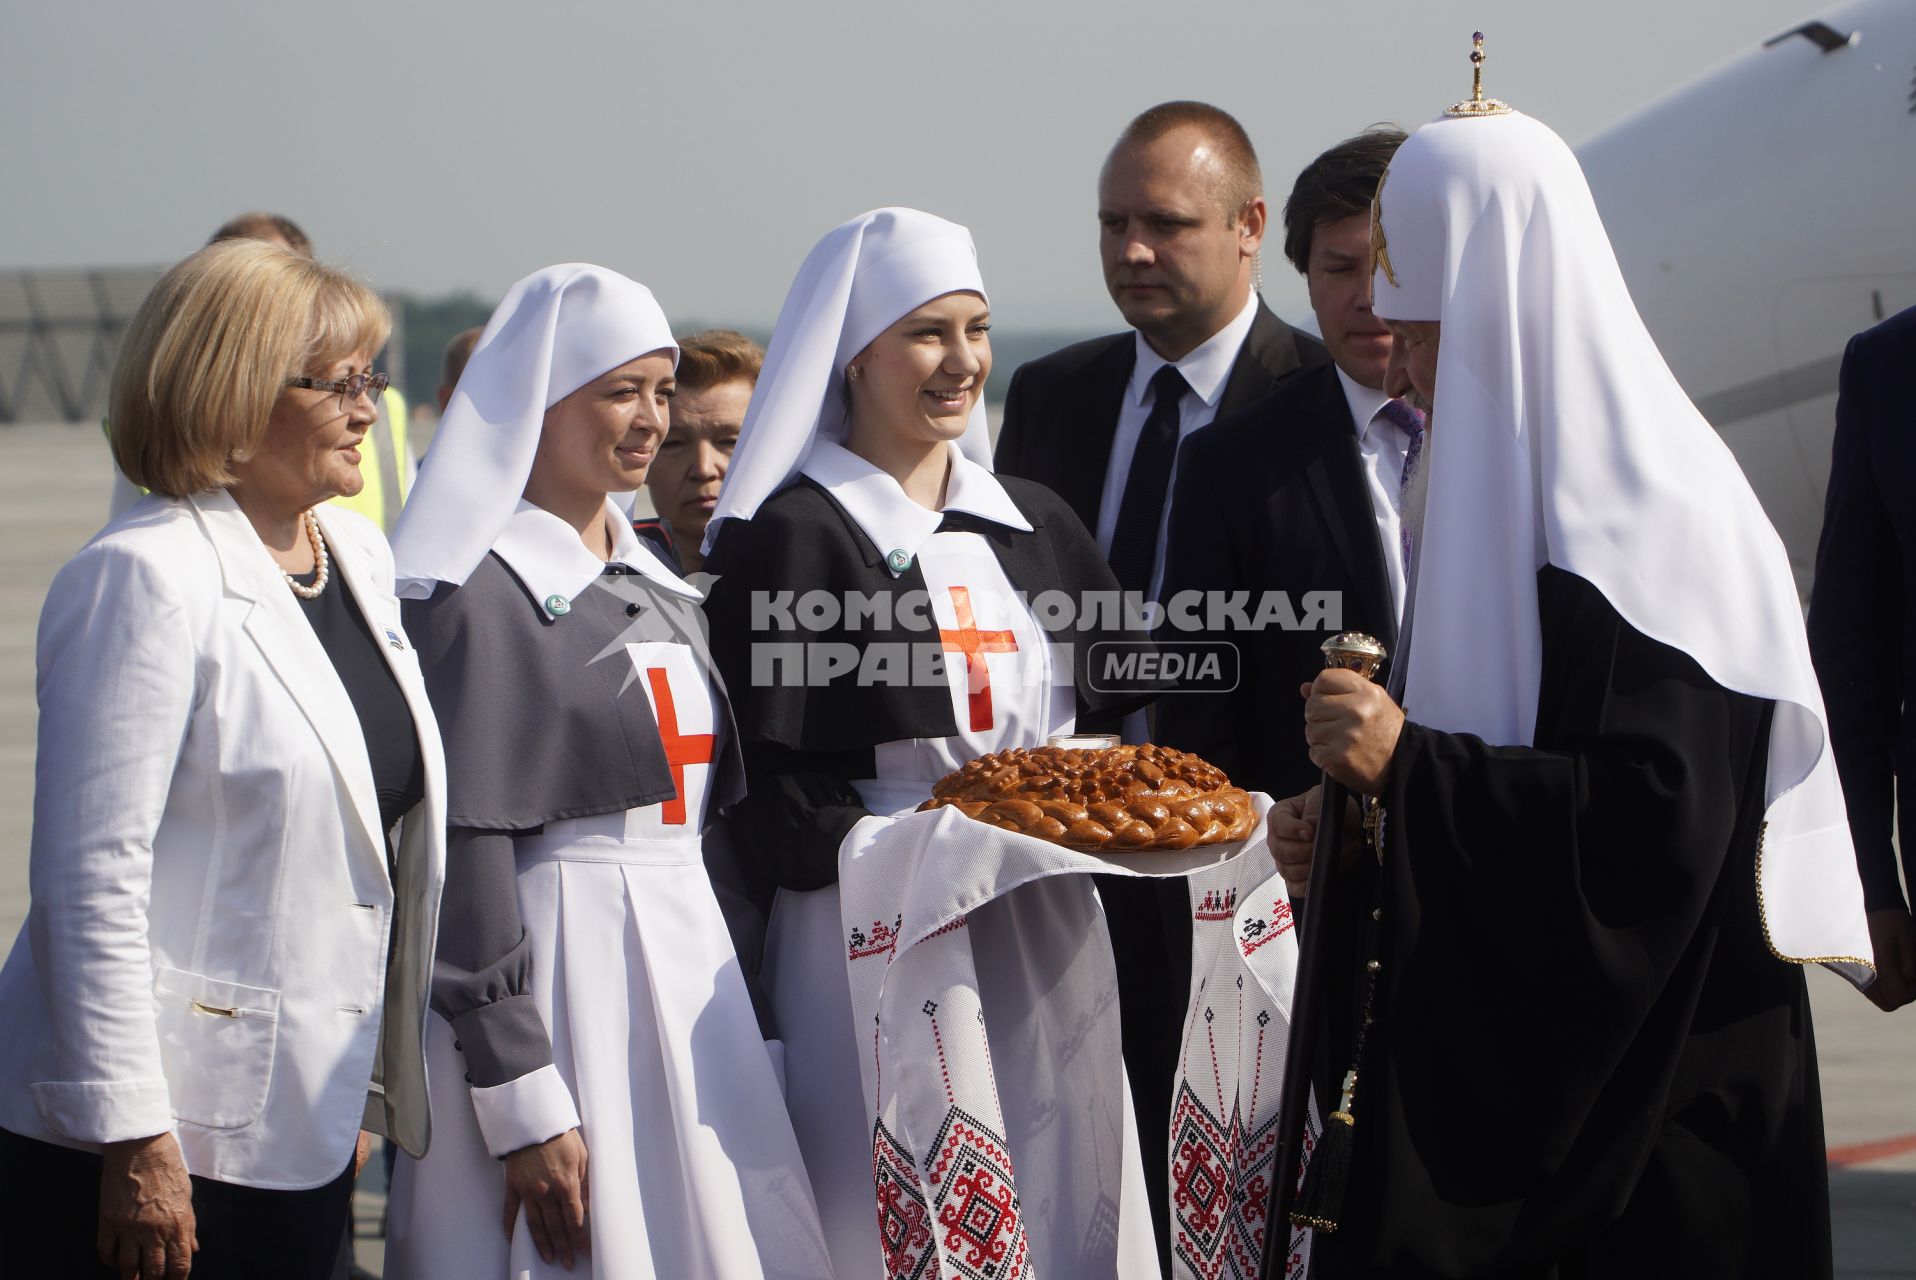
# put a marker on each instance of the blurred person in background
(453, 363)
(273, 228)
(223, 974)
(387, 465)
(717, 371)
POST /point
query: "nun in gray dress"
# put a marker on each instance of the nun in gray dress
(594, 1031)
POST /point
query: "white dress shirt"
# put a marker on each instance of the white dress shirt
(1382, 445)
(1206, 368)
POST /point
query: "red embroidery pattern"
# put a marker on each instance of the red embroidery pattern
(1259, 930)
(1217, 905)
(951, 926)
(904, 1222)
(680, 750)
(975, 1226)
(976, 1201)
(881, 941)
(975, 644)
(1220, 1180)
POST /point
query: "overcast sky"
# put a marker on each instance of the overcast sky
(702, 147)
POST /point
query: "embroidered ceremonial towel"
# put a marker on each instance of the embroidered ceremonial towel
(1002, 1140)
(1230, 1071)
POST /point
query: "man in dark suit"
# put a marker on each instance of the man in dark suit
(1863, 629)
(1181, 215)
(1297, 494)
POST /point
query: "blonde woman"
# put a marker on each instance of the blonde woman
(223, 972)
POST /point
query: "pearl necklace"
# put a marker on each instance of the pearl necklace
(319, 558)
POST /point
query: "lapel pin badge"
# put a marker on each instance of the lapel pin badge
(392, 638)
(558, 606)
(898, 559)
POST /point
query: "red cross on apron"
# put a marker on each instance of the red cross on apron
(680, 749)
(975, 644)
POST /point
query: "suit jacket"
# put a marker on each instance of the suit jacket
(1273, 498)
(206, 950)
(1862, 623)
(1061, 410)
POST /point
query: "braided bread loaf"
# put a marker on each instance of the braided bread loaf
(1119, 799)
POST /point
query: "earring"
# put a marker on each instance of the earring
(1257, 272)
(851, 373)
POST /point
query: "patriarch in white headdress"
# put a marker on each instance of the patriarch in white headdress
(1608, 825)
(1561, 437)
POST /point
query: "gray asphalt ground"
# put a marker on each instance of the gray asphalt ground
(53, 496)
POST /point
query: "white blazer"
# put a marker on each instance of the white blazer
(205, 950)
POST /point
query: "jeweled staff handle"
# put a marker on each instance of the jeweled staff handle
(1353, 651)
(1350, 651)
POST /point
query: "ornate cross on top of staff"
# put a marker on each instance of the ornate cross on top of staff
(1476, 104)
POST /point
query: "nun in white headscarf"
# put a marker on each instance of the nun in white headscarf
(1613, 831)
(594, 1030)
(870, 618)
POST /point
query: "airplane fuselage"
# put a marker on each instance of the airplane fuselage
(1762, 215)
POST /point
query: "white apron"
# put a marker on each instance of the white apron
(692, 1167)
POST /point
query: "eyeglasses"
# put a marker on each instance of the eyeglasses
(350, 389)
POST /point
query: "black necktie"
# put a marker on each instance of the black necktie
(1134, 546)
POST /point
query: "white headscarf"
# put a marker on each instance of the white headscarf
(1560, 437)
(555, 331)
(855, 283)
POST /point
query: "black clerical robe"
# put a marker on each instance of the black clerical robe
(1586, 1059)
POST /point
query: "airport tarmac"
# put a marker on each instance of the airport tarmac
(53, 495)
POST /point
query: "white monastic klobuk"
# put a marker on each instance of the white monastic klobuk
(1562, 438)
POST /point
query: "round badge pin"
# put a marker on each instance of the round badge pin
(558, 606)
(899, 559)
